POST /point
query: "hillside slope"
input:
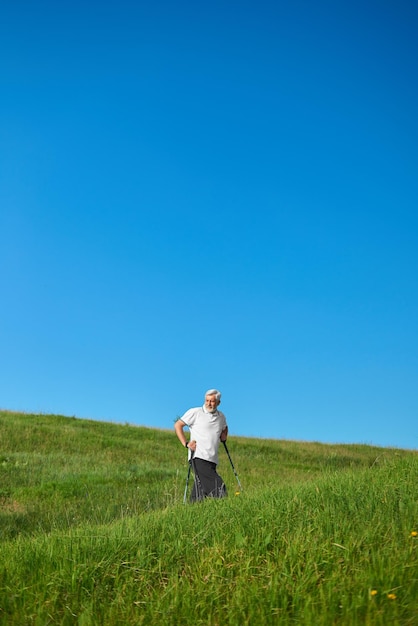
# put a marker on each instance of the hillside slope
(94, 531)
(82, 469)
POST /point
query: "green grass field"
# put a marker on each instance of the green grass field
(94, 531)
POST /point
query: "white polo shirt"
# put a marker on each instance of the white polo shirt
(205, 429)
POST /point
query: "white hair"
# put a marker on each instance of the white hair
(213, 392)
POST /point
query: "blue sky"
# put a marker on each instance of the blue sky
(222, 194)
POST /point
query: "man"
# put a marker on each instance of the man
(208, 428)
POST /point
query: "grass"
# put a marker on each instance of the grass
(94, 531)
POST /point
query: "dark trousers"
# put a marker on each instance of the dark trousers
(207, 482)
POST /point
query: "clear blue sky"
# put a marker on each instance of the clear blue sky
(219, 194)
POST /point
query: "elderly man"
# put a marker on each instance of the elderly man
(207, 429)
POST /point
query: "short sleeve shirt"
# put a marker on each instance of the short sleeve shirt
(205, 429)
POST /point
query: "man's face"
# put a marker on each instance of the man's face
(211, 403)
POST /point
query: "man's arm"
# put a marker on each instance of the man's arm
(224, 434)
(178, 427)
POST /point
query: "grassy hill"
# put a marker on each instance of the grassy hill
(94, 530)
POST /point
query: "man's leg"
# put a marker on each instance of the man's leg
(197, 491)
(211, 483)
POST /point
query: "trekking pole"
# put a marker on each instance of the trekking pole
(187, 484)
(199, 490)
(232, 465)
